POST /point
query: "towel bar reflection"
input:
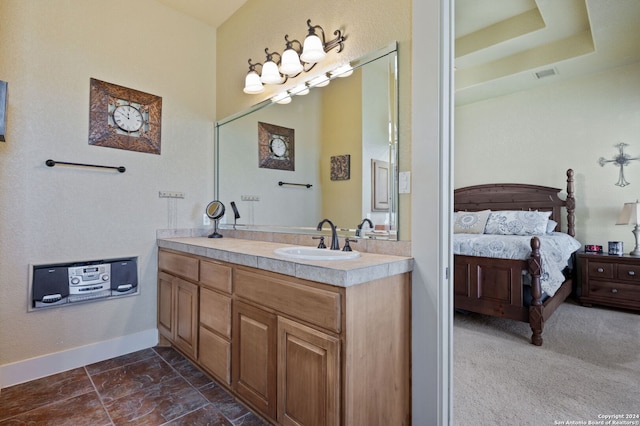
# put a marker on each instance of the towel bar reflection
(52, 163)
(308, 185)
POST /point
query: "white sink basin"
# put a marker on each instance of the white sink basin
(312, 253)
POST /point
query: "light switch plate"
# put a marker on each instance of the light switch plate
(404, 182)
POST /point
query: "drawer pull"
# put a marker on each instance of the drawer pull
(614, 290)
(601, 270)
(632, 273)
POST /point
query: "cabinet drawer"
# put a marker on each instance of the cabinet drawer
(215, 275)
(215, 355)
(600, 270)
(614, 291)
(177, 264)
(215, 311)
(314, 305)
(629, 272)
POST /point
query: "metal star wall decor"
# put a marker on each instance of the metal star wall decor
(620, 161)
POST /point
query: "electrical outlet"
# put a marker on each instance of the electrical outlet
(250, 197)
(171, 194)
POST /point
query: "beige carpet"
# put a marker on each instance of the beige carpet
(588, 366)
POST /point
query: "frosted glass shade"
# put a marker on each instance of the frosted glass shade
(290, 64)
(252, 83)
(313, 50)
(282, 98)
(270, 73)
(319, 81)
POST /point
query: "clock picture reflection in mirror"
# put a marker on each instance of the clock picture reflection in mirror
(276, 147)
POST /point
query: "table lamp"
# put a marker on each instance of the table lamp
(629, 216)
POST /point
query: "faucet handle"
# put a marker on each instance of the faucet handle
(347, 247)
(321, 238)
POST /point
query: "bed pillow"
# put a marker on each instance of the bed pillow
(517, 222)
(551, 226)
(470, 222)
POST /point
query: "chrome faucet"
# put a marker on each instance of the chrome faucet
(365, 220)
(335, 245)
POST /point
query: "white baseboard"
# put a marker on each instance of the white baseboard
(46, 365)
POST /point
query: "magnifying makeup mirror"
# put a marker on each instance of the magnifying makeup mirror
(215, 210)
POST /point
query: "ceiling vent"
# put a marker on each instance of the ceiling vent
(546, 73)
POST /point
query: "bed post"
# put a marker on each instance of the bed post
(536, 320)
(571, 204)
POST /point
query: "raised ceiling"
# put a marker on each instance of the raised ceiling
(505, 46)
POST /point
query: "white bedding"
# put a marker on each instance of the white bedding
(555, 250)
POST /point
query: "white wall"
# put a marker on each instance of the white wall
(49, 50)
(535, 136)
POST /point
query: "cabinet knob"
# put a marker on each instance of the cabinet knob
(614, 290)
(600, 270)
(632, 273)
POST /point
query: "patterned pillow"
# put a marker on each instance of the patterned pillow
(517, 222)
(470, 222)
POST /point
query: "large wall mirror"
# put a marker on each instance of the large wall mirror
(331, 153)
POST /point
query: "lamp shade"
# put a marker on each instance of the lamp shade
(252, 83)
(270, 73)
(629, 214)
(313, 50)
(290, 64)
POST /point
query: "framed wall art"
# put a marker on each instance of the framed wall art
(341, 167)
(276, 147)
(124, 118)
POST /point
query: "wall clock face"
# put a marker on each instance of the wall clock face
(275, 147)
(124, 118)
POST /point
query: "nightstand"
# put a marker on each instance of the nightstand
(609, 280)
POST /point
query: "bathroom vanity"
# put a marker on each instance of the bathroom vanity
(301, 342)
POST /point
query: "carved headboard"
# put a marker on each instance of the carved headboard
(519, 196)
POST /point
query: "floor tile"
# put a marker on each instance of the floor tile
(204, 416)
(81, 410)
(37, 393)
(121, 381)
(120, 361)
(156, 404)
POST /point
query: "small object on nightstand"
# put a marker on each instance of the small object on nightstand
(629, 216)
(592, 248)
(609, 280)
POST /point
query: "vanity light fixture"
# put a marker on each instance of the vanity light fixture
(319, 81)
(342, 71)
(282, 98)
(300, 90)
(297, 58)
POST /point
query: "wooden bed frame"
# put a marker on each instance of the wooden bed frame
(494, 286)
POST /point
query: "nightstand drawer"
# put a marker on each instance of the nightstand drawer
(629, 273)
(614, 291)
(600, 270)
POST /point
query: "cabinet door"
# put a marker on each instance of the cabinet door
(254, 357)
(308, 376)
(165, 305)
(186, 316)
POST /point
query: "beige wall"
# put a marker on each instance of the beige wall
(48, 52)
(368, 25)
(536, 135)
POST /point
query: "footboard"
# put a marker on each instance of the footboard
(495, 287)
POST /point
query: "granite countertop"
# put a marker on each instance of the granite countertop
(260, 254)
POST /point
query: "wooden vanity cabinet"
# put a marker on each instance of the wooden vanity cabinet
(178, 312)
(298, 352)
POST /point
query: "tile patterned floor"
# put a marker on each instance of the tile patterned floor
(155, 386)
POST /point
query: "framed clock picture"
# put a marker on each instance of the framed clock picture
(124, 118)
(276, 147)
